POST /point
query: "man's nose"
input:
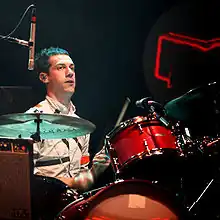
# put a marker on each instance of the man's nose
(70, 74)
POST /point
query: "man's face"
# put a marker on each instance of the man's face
(61, 77)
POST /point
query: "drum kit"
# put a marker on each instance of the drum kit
(164, 162)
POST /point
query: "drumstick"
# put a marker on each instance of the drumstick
(125, 106)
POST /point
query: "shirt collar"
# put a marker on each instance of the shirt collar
(56, 105)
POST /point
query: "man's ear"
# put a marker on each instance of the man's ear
(44, 77)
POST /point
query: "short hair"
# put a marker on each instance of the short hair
(41, 63)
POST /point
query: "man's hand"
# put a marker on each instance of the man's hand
(67, 180)
(100, 163)
(85, 179)
(82, 181)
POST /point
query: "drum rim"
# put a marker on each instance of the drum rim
(129, 122)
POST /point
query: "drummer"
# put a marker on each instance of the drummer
(64, 159)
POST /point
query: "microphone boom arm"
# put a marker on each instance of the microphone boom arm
(17, 41)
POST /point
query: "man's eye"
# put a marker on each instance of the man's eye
(60, 67)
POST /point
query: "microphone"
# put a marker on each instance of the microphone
(143, 103)
(32, 39)
(150, 105)
(16, 40)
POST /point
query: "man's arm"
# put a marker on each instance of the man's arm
(86, 177)
(100, 163)
(82, 181)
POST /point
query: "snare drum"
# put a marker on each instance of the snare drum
(125, 200)
(137, 139)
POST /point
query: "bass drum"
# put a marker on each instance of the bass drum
(125, 200)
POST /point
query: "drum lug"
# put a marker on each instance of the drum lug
(61, 217)
(82, 207)
(118, 180)
(146, 147)
(113, 156)
(180, 143)
(140, 128)
(181, 140)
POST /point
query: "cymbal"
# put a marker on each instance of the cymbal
(43, 126)
(197, 98)
(199, 106)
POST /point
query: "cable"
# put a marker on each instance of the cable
(19, 23)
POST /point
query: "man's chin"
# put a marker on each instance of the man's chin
(70, 91)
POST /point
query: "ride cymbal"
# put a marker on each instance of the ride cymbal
(43, 126)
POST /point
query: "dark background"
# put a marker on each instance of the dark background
(113, 44)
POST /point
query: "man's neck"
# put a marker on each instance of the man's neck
(63, 99)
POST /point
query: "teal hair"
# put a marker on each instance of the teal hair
(41, 63)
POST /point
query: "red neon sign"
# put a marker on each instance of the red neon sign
(203, 45)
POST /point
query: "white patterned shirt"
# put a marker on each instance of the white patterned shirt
(71, 156)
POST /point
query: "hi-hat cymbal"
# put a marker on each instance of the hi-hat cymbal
(43, 126)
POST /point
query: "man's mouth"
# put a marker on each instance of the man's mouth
(70, 81)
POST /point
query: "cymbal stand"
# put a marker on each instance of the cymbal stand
(36, 135)
(201, 195)
(210, 182)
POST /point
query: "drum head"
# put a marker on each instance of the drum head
(126, 200)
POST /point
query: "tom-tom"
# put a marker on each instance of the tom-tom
(138, 142)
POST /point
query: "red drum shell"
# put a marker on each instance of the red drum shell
(130, 199)
(139, 137)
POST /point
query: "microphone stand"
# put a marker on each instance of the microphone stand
(29, 44)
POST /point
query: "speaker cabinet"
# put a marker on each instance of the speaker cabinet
(16, 174)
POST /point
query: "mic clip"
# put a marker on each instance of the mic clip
(151, 106)
(158, 116)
